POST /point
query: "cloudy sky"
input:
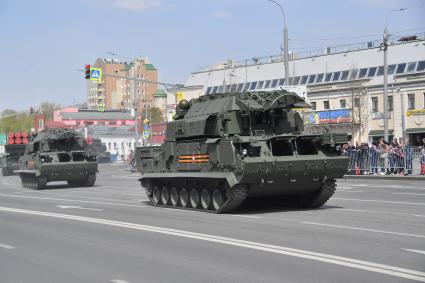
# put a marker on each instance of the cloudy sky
(43, 43)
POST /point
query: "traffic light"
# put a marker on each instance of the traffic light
(87, 71)
(31, 110)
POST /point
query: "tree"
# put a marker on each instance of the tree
(155, 115)
(14, 122)
(48, 108)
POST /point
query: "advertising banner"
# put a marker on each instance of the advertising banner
(329, 116)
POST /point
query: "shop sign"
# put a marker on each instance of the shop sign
(415, 112)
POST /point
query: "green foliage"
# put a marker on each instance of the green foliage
(156, 115)
(14, 122)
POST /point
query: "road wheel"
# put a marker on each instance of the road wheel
(184, 197)
(40, 183)
(156, 195)
(174, 196)
(206, 199)
(90, 181)
(320, 197)
(195, 199)
(165, 195)
(217, 199)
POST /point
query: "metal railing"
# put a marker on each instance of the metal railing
(396, 161)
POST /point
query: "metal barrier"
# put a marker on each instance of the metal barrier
(396, 161)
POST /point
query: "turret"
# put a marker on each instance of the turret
(237, 114)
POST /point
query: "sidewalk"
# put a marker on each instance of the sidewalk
(386, 177)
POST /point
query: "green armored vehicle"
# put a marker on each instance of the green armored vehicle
(224, 148)
(10, 160)
(57, 155)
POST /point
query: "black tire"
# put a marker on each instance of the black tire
(217, 199)
(320, 197)
(40, 183)
(90, 181)
(5, 172)
(175, 197)
(206, 199)
(184, 197)
(195, 198)
(165, 196)
(73, 183)
(156, 195)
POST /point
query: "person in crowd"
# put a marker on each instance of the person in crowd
(422, 160)
(373, 157)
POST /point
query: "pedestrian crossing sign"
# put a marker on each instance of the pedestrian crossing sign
(101, 107)
(95, 74)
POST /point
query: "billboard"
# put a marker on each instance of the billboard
(330, 116)
(3, 139)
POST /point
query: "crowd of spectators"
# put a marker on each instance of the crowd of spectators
(381, 157)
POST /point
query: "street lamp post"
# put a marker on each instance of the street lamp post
(384, 47)
(285, 43)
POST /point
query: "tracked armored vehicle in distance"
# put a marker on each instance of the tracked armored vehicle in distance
(224, 148)
(10, 160)
(57, 155)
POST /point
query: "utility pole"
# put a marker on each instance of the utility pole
(285, 43)
(384, 47)
(136, 118)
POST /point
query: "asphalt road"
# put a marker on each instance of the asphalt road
(370, 231)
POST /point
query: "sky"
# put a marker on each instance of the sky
(44, 43)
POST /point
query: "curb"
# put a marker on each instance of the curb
(385, 177)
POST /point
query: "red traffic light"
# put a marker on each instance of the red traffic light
(87, 71)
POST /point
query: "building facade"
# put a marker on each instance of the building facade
(120, 93)
(344, 86)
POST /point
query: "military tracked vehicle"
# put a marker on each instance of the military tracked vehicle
(10, 160)
(57, 155)
(224, 148)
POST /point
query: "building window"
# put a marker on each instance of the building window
(344, 75)
(391, 69)
(115, 146)
(356, 102)
(411, 101)
(267, 85)
(253, 85)
(281, 82)
(421, 66)
(109, 146)
(342, 103)
(326, 104)
(374, 104)
(362, 73)
(390, 103)
(239, 88)
(336, 76)
(112, 123)
(311, 79)
(380, 71)
(296, 80)
(372, 72)
(319, 78)
(400, 68)
(313, 105)
(304, 80)
(328, 77)
(260, 84)
(411, 67)
(274, 83)
(123, 122)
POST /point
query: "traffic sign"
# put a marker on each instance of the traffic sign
(145, 134)
(101, 107)
(95, 74)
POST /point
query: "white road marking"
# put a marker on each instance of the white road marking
(119, 281)
(414, 194)
(73, 200)
(383, 201)
(354, 210)
(364, 229)
(6, 246)
(418, 215)
(78, 207)
(321, 257)
(245, 216)
(415, 251)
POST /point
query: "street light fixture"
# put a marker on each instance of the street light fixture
(285, 42)
(384, 47)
